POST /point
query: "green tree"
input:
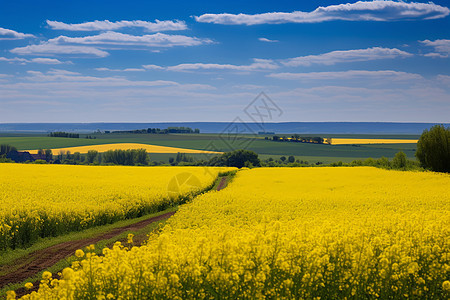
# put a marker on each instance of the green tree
(48, 154)
(369, 162)
(236, 158)
(291, 159)
(39, 162)
(5, 149)
(77, 156)
(383, 162)
(433, 149)
(61, 155)
(140, 157)
(91, 155)
(283, 158)
(399, 161)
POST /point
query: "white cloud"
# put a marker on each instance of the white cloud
(347, 75)
(115, 38)
(442, 47)
(153, 67)
(55, 49)
(257, 65)
(55, 76)
(63, 84)
(15, 59)
(94, 45)
(359, 11)
(262, 39)
(60, 72)
(108, 25)
(436, 55)
(47, 61)
(8, 34)
(120, 70)
(445, 79)
(335, 57)
(39, 60)
(249, 87)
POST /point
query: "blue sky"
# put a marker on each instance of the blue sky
(146, 61)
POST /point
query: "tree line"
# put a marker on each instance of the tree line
(158, 130)
(64, 134)
(298, 139)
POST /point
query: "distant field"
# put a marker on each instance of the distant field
(44, 142)
(343, 141)
(266, 148)
(126, 146)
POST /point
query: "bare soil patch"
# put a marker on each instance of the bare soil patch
(34, 263)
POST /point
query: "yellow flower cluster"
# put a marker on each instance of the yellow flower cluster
(280, 233)
(126, 146)
(343, 141)
(48, 200)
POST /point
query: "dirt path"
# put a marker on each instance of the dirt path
(223, 183)
(40, 260)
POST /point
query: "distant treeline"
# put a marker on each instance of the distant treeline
(158, 130)
(399, 162)
(131, 157)
(5, 149)
(237, 158)
(300, 139)
(64, 134)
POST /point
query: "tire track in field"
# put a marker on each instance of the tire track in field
(223, 183)
(40, 260)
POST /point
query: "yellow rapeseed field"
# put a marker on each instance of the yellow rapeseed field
(126, 146)
(285, 233)
(341, 141)
(48, 200)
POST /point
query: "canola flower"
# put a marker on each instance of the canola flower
(126, 146)
(49, 200)
(343, 141)
(285, 233)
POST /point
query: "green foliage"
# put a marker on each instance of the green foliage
(158, 130)
(433, 149)
(383, 162)
(77, 156)
(91, 155)
(237, 158)
(399, 161)
(129, 157)
(64, 134)
(5, 160)
(5, 149)
(181, 157)
(337, 164)
(39, 162)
